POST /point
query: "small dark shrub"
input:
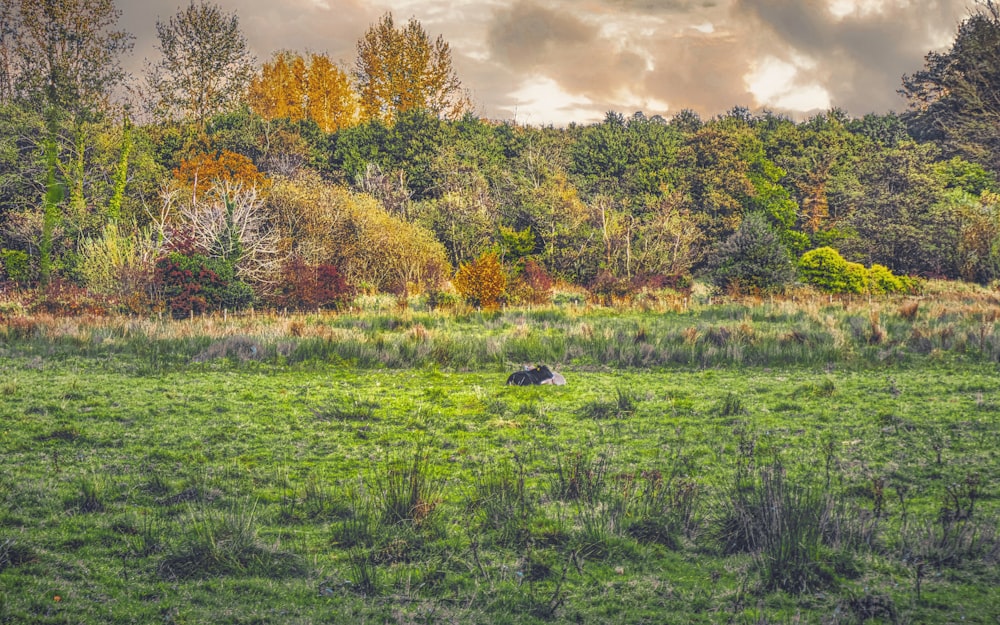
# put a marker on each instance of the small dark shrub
(195, 284)
(60, 297)
(608, 287)
(16, 267)
(753, 259)
(309, 287)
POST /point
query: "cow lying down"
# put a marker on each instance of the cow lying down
(539, 375)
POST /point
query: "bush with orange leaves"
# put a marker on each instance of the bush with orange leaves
(204, 171)
(482, 282)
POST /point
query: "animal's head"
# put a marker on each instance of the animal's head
(546, 373)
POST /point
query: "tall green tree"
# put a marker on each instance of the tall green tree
(205, 67)
(955, 99)
(897, 212)
(625, 157)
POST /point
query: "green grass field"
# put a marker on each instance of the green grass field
(735, 464)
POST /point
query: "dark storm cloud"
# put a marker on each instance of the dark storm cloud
(528, 36)
(701, 72)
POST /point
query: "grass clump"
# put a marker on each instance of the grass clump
(622, 406)
(798, 533)
(225, 542)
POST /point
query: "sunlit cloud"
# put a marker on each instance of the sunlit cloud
(777, 84)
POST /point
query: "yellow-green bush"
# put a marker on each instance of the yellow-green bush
(826, 269)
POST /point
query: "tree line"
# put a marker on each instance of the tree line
(217, 182)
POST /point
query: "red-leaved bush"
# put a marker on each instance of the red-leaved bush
(308, 287)
(537, 281)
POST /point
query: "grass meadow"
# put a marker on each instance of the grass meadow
(811, 461)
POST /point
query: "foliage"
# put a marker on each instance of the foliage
(825, 268)
(951, 97)
(60, 297)
(231, 225)
(205, 63)
(114, 210)
(310, 287)
(482, 282)
(16, 266)
(295, 87)
(42, 69)
(534, 283)
(881, 280)
(193, 284)
(630, 157)
(752, 259)
(202, 172)
(609, 287)
(401, 69)
(50, 215)
(120, 264)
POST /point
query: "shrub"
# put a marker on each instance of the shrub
(537, 281)
(826, 269)
(308, 287)
(482, 282)
(120, 265)
(60, 297)
(202, 171)
(752, 259)
(881, 280)
(856, 278)
(16, 266)
(608, 287)
(196, 284)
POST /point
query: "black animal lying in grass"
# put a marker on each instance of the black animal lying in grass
(539, 375)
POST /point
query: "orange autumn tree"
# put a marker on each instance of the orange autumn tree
(482, 282)
(203, 171)
(294, 87)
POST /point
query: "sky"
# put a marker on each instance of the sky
(542, 62)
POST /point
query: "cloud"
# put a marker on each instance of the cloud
(858, 50)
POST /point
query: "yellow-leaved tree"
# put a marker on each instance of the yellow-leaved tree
(483, 282)
(330, 100)
(279, 89)
(399, 69)
(296, 87)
